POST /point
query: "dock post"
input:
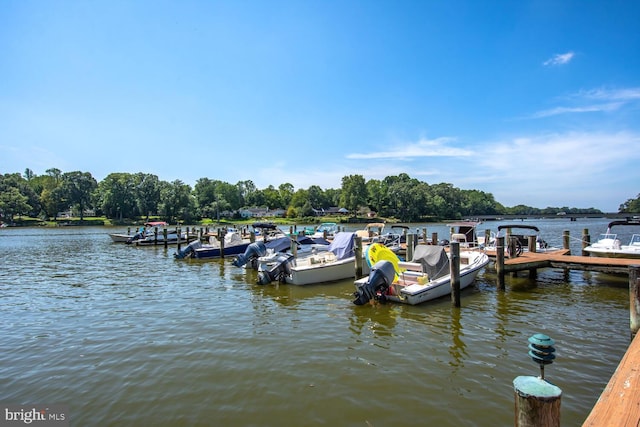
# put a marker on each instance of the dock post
(531, 244)
(434, 238)
(294, 246)
(221, 240)
(487, 237)
(537, 401)
(410, 246)
(500, 262)
(586, 241)
(178, 233)
(155, 235)
(128, 230)
(634, 299)
(454, 266)
(424, 235)
(358, 252)
(566, 240)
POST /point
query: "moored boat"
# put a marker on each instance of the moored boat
(336, 263)
(610, 246)
(426, 277)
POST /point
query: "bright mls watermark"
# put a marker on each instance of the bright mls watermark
(36, 415)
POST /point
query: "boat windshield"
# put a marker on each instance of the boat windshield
(607, 236)
(635, 240)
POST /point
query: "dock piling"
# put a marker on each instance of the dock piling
(500, 262)
(454, 265)
(634, 299)
(537, 401)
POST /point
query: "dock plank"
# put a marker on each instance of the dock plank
(619, 405)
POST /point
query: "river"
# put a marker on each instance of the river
(129, 336)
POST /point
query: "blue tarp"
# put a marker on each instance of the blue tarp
(343, 245)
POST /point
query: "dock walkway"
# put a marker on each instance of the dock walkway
(561, 259)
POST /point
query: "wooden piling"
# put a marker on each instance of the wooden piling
(566, 240)
(221, 240)
(586, 241)
(634, 299)
(178, 233)
(358, 253)
(537, 402)
(434, 238)
(500, 262)
(155, 235)
(410, 246)
(454, 266)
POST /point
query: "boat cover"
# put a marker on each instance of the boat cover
(343, 245)
(434, 260)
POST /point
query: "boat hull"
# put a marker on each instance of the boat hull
(205, 252)
(321, 273)
(613, 253)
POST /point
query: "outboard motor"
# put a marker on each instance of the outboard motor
(189, 251)
(275, 269)
(380, 278)
(253, 251)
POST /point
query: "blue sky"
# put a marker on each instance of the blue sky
(536, 102)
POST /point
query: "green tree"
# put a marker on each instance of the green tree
(116, 196)
(176, 201)
(12, 203)
(146, 189)
(354, 193)
(630, 206)
(78, 188)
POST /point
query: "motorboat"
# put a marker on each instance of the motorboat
(298, 245)
(371, 232)
(148, 229)
(326, 230)
(229, 243)
(232, 243)
(426, 277)
(464, 232)
(336, 263)
(609, 245)
(153, 233)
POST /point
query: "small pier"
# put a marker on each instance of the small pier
(561, 259)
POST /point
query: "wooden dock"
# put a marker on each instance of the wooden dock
(619, 405)
(561, 259)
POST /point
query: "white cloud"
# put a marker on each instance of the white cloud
(559, 59)
(422, 148)
(583, 109)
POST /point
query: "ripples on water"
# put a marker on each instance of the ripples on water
(130, 336)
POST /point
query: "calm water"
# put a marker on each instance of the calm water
(130, 336)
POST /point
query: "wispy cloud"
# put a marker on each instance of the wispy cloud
(584, 109)
(592, 101)
(628, 94)
(559, 59)
(422, 148)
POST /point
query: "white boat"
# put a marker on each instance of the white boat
(425, 278)
(464, 232)
(146, 234)
(336, 263)
(609, 245)
(326, 230)
(371, 232)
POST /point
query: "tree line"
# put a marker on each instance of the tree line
(140, 195)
